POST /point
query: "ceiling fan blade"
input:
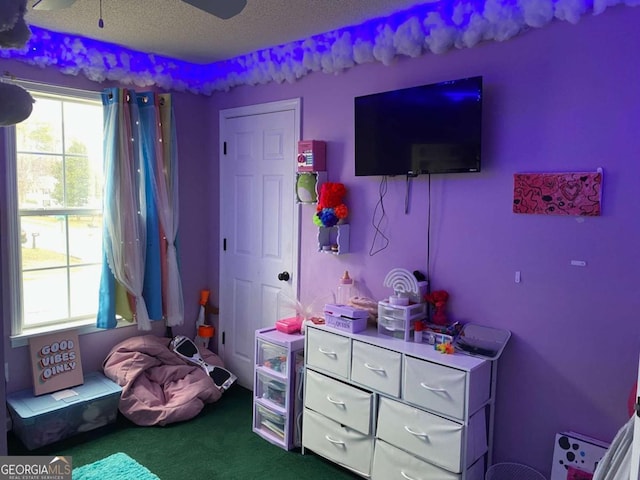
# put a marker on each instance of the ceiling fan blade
(224, 9)
(52, 4)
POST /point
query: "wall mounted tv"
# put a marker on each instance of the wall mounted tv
(433, 128)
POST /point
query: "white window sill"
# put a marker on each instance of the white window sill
(83, 327)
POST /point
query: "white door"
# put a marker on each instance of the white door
(258, 225)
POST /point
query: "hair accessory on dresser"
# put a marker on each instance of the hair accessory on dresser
(445, 348)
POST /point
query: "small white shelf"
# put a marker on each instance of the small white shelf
(336, 237)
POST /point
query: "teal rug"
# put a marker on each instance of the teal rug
(118, 466)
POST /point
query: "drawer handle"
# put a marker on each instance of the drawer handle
(417, 434)
(335, 402)
(328, 353)
(408, 477)
(432, 389)
(335, 442)
(375, 369)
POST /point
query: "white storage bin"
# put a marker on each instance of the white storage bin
(337, 442)
(376, 368)
(398, 320)
(346, 404)
(45, 419)
(271, 356)
(391, 462)
(277, 386)
(328, 352)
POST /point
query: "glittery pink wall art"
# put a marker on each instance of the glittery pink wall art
(577, 193)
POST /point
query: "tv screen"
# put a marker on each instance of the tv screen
(433, 128)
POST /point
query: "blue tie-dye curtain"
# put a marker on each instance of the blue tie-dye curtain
(140, 209)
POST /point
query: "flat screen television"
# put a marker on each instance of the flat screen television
(432, 128)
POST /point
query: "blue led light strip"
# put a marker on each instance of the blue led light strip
(431, 27)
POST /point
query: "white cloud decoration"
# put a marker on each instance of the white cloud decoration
(431, 27)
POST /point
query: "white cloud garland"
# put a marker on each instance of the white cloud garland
(432, 28)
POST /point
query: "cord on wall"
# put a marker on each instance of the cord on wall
(429, 234)
(376, 224)
(407, 194)
(100, 21)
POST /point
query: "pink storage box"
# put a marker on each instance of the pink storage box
(344, 317)
(289, 325)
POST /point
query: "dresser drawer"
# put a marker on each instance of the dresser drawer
(391, 463)
(429, 436)
(343, 403)
(376, 368)
(435, 387)
(328, 351)
(340, 444)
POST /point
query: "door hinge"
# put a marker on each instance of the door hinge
(223, 337)
(224, 148)
(224, 244)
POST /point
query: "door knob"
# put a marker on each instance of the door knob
(284, 276)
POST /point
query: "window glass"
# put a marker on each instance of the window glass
(59, 181)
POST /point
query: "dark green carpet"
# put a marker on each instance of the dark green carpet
(217, 444)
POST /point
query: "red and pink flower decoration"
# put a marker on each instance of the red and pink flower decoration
(330, 209)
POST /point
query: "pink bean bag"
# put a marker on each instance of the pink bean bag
(159, 387)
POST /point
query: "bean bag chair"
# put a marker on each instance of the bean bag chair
(158, 386)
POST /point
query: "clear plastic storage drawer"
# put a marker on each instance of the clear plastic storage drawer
(271, 422)
(271, 390)
(402, 312)
(271, 356)
(398, 320)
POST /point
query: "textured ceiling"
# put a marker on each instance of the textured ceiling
(178, 30)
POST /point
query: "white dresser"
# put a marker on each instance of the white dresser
(389, 409)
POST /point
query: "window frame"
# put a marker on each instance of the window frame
(11, 246)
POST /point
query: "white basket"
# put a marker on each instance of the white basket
(512, 471)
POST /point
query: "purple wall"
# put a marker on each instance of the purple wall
(564, 98)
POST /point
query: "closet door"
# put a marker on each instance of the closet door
(635, 453)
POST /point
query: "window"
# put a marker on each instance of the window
(54, 198)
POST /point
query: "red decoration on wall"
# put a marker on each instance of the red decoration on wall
(558, 193)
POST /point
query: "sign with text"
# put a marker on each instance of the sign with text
(55, 362)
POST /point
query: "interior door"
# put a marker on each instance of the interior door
(258, 225)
